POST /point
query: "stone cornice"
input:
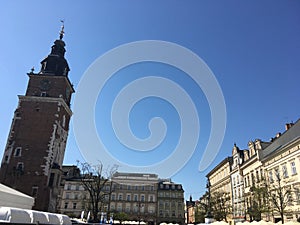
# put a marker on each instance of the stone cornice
(46, 99)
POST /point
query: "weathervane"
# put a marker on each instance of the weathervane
(62, 32)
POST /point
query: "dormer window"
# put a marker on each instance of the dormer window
(44, 65)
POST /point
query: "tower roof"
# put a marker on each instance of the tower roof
(55, 63)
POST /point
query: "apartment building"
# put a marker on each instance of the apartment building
(220, 183)
(263, 164)
(136, 195)
(281, 161)
(142, 197)
(170, 199)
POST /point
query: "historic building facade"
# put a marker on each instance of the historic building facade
(36, 143)
(237, 184)
(190, 208)
(170, 202)
(220, 186)
(281, 161)
(142, 197)
(270, 166)
(73, 196)
(253, 175)
(136, 195)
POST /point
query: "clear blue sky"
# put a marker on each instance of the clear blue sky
(252, 47)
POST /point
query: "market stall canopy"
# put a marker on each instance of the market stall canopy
(12, 198)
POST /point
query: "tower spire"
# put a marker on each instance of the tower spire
(55, 63)
(62, 32)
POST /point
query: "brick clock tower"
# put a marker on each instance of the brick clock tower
(37, 138)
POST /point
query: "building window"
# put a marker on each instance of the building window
(151, 199)
(173, 204)
(257, 176)
(161, 204)
(34, 191)
(120, 197)
(69, 187)
(293, 168)
(277, 174)
(20, 166)
(17, 152)
(252, 179)
(74, 205)
(64, 121)
(167, 205)
(173, 213)
(119, 209)
(128, 197)
(66, 205)
(142, 209)
(167, 213)
(43, 94)
(136, 198)
(113, 197)
(297, 193)
(290, 199)
(284, 171)
(261, 173)
(112, 207)
(67, 195)
(151, 209)
(51, 179)
(271, 177)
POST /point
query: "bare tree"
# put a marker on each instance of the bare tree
(279, 195)
(259, 203)
(201, 208)
(220, 205)
(94, 179)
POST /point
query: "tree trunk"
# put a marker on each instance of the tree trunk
(282, 218)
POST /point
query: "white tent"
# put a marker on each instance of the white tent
(12, 198)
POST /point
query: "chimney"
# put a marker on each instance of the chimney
(288, 125)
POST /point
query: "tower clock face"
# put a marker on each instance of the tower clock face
(45, 85)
